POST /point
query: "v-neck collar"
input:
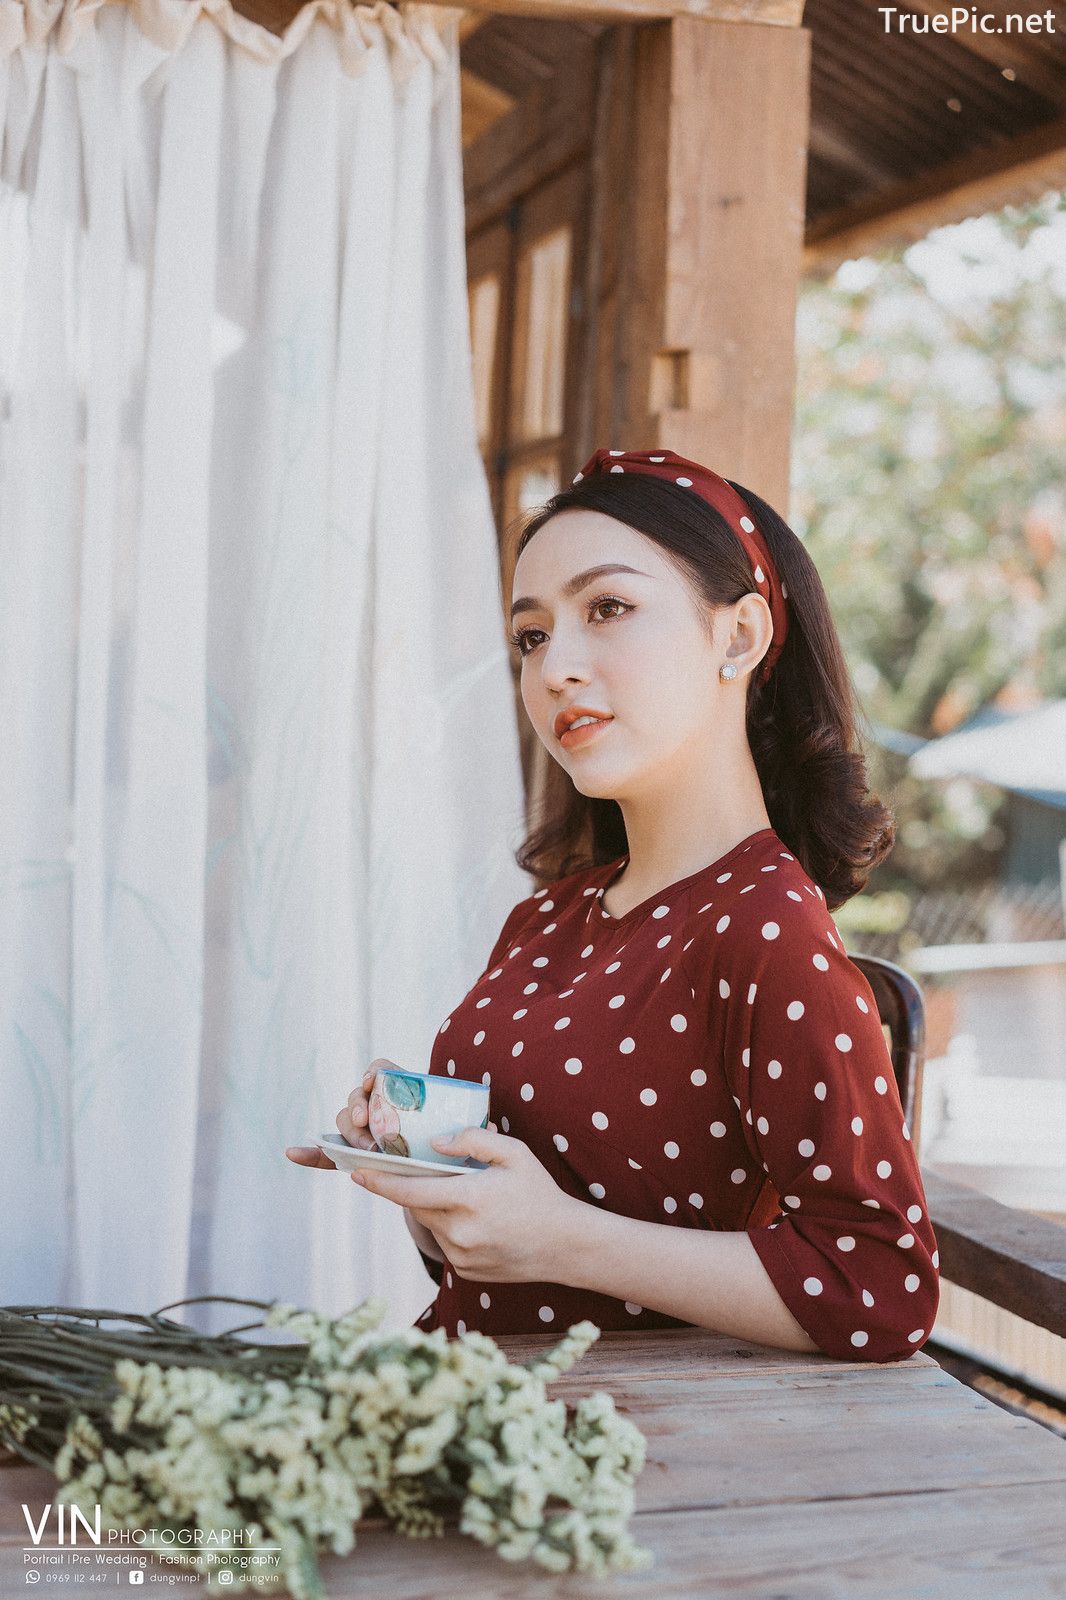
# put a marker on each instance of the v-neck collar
(668, 893)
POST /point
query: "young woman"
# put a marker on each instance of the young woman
(696, 1116)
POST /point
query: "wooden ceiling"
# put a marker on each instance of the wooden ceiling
(907, 130)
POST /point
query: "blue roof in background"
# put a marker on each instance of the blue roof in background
(1023, 752)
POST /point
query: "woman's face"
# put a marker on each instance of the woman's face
(632, 645)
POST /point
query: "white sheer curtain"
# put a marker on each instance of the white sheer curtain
(259, 774)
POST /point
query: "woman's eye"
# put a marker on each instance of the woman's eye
(518, 639)
(609, 602)
(521, 637)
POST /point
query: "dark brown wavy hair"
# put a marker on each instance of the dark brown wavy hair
(801, 723)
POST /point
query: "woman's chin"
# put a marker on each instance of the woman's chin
(601, 785)
(592, 774)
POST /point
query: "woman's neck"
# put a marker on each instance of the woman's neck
(628, 891)
(684, 827)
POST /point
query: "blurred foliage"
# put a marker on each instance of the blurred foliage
(881, 923)
(929, 488)
(886, 912)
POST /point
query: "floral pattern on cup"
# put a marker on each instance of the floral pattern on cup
(392, 1094)
(408, 1110)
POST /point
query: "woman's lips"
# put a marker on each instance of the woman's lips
(588, 731)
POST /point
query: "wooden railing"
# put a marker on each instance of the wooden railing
(1013, 1258)
(1001, 1326)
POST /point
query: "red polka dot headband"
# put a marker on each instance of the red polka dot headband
(720, 494)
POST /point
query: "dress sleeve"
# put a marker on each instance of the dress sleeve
(514, 920)
(851, 1252)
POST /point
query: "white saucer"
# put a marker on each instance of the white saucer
(348, 1158)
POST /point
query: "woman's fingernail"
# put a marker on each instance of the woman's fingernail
(357, 1177)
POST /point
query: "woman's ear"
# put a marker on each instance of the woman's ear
(751, 633)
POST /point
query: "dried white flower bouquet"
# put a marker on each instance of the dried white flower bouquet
(290, 1445)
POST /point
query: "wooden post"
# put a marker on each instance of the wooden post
(696, 242)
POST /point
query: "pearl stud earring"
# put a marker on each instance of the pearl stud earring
(727, 672)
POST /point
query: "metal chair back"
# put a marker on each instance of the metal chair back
(902, 1011)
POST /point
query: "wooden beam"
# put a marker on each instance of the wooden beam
(695, 268)
(1013, 1258)
(763, 13)
(1014, 52)
(482, 105)
(546, 130)
(826, 144)
(277, 14)
(1011, 173)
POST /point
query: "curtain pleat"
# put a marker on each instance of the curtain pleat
(261, 786)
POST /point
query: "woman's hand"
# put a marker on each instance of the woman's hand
(506, 1224)
(352, 1123)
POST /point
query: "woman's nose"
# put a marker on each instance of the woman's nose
(563, 662)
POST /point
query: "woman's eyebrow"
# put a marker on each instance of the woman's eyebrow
(575, 584)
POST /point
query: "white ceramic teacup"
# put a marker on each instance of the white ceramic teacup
(408, 1110)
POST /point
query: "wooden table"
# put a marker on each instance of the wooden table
(771, 1475)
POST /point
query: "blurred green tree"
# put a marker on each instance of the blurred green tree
(929, 485)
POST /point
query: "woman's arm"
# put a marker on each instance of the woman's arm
(715, 1280)
(426, 1241)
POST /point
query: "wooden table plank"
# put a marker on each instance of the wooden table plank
(974, 1544)
(672, 1352)
(22, 1485)
(774, 1440)
(781, 1437)
(769, 1475)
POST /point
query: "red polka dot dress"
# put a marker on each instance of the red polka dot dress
(712, 1059)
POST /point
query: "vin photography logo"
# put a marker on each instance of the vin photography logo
(64, 1536)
